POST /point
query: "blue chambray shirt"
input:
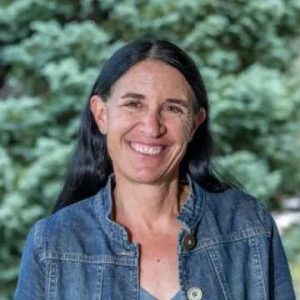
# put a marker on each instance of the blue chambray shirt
(81, 253)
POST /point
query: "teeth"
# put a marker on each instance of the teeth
(146, 149)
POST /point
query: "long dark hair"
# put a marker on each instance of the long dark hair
(90, 165)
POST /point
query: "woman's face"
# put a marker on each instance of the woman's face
(149, 121)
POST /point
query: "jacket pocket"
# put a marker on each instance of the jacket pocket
(73, 280)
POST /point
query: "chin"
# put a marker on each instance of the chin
(150, 177)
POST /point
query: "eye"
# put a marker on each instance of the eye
(174, 109)
(132, 104)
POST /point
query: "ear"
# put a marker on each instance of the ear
(99, 110)
(198, 120)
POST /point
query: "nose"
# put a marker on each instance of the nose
(152, 125)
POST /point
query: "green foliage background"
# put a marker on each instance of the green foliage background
(51, 52)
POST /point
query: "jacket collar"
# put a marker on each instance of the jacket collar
(193, 208)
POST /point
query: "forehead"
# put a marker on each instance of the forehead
(153, 76)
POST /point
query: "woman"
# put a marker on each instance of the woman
(154, 223)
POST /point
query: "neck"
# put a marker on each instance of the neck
(149, 206)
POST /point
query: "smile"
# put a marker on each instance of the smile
(146, 149)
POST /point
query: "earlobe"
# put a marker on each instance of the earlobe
(99, 110)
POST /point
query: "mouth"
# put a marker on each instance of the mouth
(146, 149)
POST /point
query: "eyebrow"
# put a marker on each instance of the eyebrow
(142, 97)
(178, 101)
(133, 96)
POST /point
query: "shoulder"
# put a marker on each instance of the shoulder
(68, 228)
(234, 209)
(233, 198)
(71, 216)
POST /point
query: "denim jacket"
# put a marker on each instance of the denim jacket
(229, 248)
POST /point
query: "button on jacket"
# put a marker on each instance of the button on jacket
(229, 248)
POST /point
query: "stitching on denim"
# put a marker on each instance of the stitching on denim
(183, 280)
(218, 269)
(97, 259)
(99, 284)
(52, 284)
(134, 281)
(258, 268)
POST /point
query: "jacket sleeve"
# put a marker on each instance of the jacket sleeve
(280, 281)
(31, 282)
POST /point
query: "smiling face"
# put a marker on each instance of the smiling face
(149, 121)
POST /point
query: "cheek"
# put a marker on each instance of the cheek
(180, 130)
(113, 114)
(116, 120)
(186, 128)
